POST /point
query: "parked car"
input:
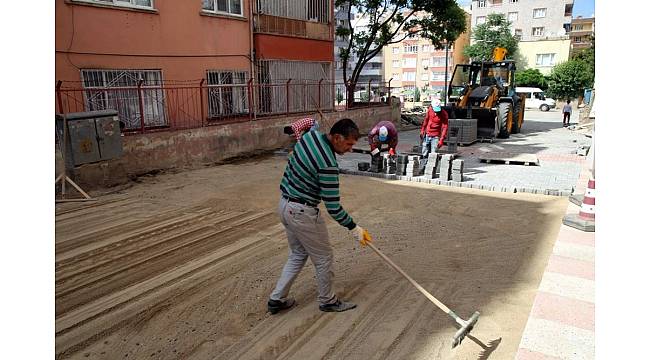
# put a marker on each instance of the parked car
(535, 98)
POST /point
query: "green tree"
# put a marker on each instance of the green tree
(390, 22)
(339, 96)
(532, 78)
(495, 32)
(588, 57)
(568, 80)
(416, 95)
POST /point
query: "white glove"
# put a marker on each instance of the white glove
(363, 237)
(375, 152)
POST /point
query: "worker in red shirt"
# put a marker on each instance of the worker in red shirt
(433, 131)
(384, 132)
(300, 127)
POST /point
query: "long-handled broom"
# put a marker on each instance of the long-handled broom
(465, 325)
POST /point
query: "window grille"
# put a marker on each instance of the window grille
(307, 10)
(227, 93)
(100, 96)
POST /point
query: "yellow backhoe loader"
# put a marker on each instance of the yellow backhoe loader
(485, 90)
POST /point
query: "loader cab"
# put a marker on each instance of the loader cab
(465, 77)
(499, 74)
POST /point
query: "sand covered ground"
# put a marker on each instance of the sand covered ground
(180, 265)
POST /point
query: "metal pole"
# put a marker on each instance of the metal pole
(201, 96)
(288, 81)
(389, 99)
(446, 70)
(141, 104)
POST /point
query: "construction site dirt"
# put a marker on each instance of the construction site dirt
(180, 266)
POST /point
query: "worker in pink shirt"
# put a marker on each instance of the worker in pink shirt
(384, 132)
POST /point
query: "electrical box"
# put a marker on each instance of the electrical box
(92, 136)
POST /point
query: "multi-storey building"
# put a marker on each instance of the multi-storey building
(372, 71)
(582, 33)
(542, 27)
(150, 43)
(531, 19)
(341, 42)
(415, 63)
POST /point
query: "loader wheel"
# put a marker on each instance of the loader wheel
(517, 118)
(504, 120)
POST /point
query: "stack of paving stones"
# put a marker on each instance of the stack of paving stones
(377, 164)
(431, 168)
(452, 139)
(390, 165)
(400, 165)
(445, 167)
(457, 170)
(413, 166)
(417, 149)
(467, 130)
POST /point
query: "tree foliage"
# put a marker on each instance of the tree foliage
(390, 22)
(532, 78)
(495, 32)
(569, 79)
(588, 57)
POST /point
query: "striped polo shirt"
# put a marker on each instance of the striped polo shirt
(312, 175)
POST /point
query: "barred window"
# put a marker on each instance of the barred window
(99, 95)
(227, 93)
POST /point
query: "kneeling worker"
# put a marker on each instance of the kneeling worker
(384, 132)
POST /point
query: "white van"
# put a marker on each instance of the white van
(535, 98)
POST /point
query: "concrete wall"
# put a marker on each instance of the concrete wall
(176, 37)
(198, 147)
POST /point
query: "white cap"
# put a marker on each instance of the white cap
(383, 133)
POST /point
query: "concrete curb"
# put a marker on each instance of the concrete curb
(469, 185)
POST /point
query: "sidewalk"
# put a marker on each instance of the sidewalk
(561, 324)
(542, 136)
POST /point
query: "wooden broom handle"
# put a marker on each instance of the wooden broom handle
(413, 282)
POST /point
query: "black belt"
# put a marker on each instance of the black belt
(299, 201)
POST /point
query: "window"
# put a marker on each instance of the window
(497, 2)
(410, 49)
(395, 63)
(425, 48)
(223, 98)
(518, 33)
(480, 20)
(231, 7)
(513, 16)
(545, 60)
(538, 31)
(99, 96)
(514, 1)
(438, 76)
(147, 4)
(481, 3)
(438, 61)
(577, 27)
(408, 76)
(396, 50)
(568, 9)
(409, 62)
(539, 13)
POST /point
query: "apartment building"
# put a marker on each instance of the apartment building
(415, 63)
(531, 19)
(373, 70)
(542, 27)
(124, 43)
(582, 33)
(341, 42)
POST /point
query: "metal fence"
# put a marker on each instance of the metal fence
(145, 108)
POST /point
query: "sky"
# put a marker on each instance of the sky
(584, 8)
